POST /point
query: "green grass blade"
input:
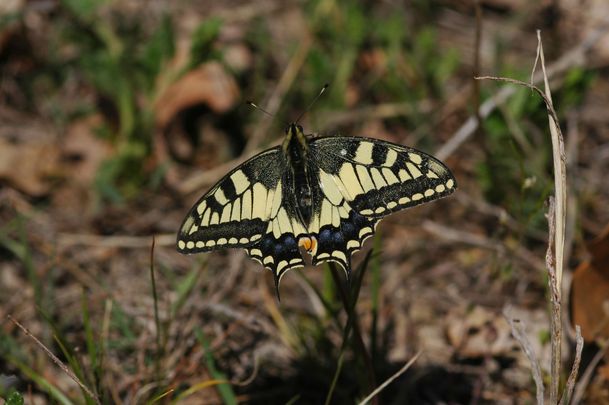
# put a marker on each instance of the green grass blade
(225, 390)
(39, 380)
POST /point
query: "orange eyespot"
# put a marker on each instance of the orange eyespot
(309, 243)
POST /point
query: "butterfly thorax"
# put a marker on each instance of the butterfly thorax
(296, 148)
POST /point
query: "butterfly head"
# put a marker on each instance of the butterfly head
(294, 130)
(294, 138)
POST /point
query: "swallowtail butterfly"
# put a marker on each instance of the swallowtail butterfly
(321, 195)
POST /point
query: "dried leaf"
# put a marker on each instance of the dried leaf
(27, 166)
(590, 291)
(210, 85)
(481, 333)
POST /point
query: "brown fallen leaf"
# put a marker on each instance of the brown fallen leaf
(590, 291)
(480, 333)
(28, 165)
(209, 85)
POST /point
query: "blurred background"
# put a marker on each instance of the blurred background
(115, 116)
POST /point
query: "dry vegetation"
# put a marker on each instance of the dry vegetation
(116, 116)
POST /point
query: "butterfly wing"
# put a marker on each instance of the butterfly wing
(251, 207)
(236, 211)
(361, 180)
(278, 248)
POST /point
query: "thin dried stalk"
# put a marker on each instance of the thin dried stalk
(556, 224)
(55, 360)
(520, 335)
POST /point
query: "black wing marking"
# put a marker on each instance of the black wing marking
(376, 177)
(237, 210)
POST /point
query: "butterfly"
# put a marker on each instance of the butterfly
(320, 195)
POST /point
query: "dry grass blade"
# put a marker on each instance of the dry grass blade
(572, 58)
(521, 336)
(76, 239)
(49, 353)
(391, 379)
(583, 382)
(556, 224)
(568, 393)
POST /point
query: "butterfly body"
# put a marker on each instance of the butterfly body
(321, 195)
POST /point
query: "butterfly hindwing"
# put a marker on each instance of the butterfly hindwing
(376, 177)
(237, 210)
(278, 249)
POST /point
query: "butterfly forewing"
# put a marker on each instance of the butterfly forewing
(237, 210)
(376, 177)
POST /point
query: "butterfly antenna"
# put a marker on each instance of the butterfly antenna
(257, 107)
(312, 102)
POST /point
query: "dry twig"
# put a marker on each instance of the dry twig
(521, 336)
(391, 379)
(55, 360)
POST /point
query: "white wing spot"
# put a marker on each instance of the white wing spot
(236, 214)
(404, 200)
(215, 218)
(181, 244)
(364, 178)
(390, 158)
(201, 207)
(415, 158)
(256, 252)
(205, 220)
(259, 201)
(353, 244)
(413, 170)
(246, 205)
(240, 181)
(390, 176)
(378, 179)
(440, 188)
(276, 200)
(364, 153)
(450, 183)
(330, 188)
(404, 176)
(220, 197)
(226, 213)
(349, 179)
(429, 192)
(417, 197)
